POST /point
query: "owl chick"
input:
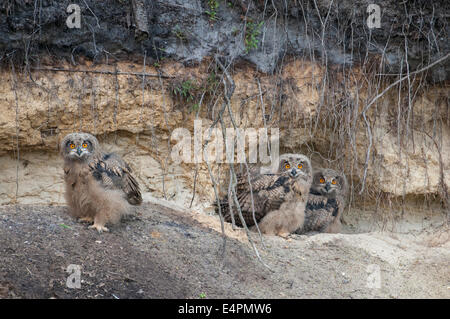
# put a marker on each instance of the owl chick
(99, 186)
(279, 199)
(326, 202)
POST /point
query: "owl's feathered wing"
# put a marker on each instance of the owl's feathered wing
(113, 173)
(320, 212)
(269, 192)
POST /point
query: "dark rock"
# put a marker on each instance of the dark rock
(107, 27)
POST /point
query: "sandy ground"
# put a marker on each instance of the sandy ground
(165, 252)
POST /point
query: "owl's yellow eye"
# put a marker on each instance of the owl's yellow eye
(85, 145)
(287, 166)
(322, 180)
(72, 146)
(333, 182)
(300, 166)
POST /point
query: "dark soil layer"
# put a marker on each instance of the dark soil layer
(334, 31)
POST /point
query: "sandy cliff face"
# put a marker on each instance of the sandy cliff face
(137, 122)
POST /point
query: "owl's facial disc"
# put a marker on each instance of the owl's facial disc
(329, 186)
(79, 151)
(294, 166)
(297, 171)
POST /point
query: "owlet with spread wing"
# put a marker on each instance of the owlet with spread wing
(279, 199)
(99, 186)
(326, 202)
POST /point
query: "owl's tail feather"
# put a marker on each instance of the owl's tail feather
(223, 204)
(134, 199)
(227, 214)
(134, 196)
(224, 208)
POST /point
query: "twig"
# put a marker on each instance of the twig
(404, 78)
(234, 179)
(139, 74)
(16, 99)
(98, 25)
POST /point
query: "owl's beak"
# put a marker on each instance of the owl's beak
(79, 151)
(293, 172)
(328, 186)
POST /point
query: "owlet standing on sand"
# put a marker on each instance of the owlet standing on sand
(279, 199)
(326, 202)
(99, 186)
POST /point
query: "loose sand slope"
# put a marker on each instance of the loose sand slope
(162, 252)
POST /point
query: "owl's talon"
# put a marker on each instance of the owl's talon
(99, 228)
(284, 235)
(85, 220)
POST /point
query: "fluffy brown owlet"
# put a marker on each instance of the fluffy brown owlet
(99, 186)
(279, 199)
(326, 202)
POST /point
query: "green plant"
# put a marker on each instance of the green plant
(211, 83)
(192, 92)
(179, 33)
(202, 295)
(196, 106)
(186, 90)
(252, 31)
(212, 12)
(157, 63)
